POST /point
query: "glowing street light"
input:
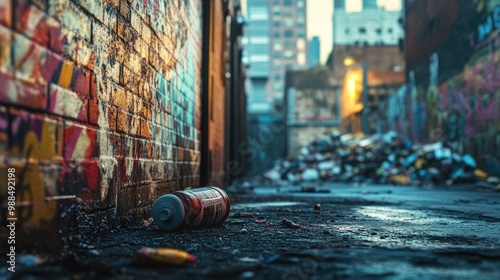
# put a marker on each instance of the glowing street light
(349, 61)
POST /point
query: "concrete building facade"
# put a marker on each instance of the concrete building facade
(256, 54)
(275, 41)
(288, 42)
(313, 106)
(373, 25)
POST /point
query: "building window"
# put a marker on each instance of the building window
(276, 11)
(277, 55)
(390, 30)
(301, 44)
(301, 58)
(259, 58)
(379, 31)
(362, 30)
(277, 46)
(277, 34)
(347, 31)
(277, 86)
(277, 23)
(300, 3)
(277, 78)
(288, 54)
(287, 14)
(289, 45)
(277, 2)
(301, 34)
(288, 2)
(259, 40)
(288, 23)
(288, 33)
(257, 13)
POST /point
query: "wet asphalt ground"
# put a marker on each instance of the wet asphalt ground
(360, 232)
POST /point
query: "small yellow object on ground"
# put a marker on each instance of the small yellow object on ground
(164, 256)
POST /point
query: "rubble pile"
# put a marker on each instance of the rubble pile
(383, 159)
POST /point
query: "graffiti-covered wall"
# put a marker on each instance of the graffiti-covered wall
(99, 105)
(453, 73)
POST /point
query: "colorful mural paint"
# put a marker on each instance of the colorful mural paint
(453, 89)
(99, 102)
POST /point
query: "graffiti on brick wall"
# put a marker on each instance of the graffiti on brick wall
(35, 145)
(482, 85)
(397, 117)
(464, 108)
(453, 89)
(115, 87)
(418, 112)
(489, 22)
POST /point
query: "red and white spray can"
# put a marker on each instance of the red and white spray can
(200, 207)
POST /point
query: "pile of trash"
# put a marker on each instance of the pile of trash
(383, 159)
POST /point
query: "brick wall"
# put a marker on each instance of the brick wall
(99, 106)
(378, 58)
(313, 109)
(216, 91)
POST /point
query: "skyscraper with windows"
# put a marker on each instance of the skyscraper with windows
(275, 41)
(288, 39)
(256, 55)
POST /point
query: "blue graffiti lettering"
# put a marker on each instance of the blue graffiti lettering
(496, 17)
(485, 29)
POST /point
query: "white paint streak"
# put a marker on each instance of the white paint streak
(67, 103)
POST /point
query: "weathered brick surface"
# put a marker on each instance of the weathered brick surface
(99, 103)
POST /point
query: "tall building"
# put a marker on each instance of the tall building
(288, 39)
(256, 55)
(276, 40)
(373, 25)
(314, 52)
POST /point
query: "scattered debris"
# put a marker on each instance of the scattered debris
(283, 258)
(313, 190)
(161, 256)
(30, 260)
(247, 259)
(243, 230)
(289, 223)
(242, 215)
(317, 208)
(238, 222)
(232, 272)
(382, 159)
(260, 221)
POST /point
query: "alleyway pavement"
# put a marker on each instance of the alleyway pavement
(331, 231)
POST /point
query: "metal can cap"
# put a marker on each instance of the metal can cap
(168, 212)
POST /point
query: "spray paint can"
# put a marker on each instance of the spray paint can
(200, 207)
